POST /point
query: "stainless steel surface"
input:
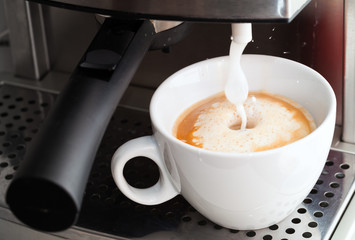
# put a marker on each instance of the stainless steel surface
(198, 10)
(53, 82)
(27, 37)
(108, 214)
(349, 73)
(161, 26)
(346, 228)
(339, 145)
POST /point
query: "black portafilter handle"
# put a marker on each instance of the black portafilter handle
(48, 189)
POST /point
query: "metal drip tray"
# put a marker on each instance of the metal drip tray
(108, 214)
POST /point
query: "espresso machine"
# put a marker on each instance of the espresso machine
(77, 78)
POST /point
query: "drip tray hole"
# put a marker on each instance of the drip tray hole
(141, 172)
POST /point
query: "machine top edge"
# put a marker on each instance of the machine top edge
(187, 10)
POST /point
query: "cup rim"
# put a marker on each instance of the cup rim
(331, 113)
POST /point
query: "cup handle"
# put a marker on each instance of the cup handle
(146, 146)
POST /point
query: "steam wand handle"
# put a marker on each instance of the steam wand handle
(48, 189)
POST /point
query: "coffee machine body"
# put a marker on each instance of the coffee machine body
(45, 51)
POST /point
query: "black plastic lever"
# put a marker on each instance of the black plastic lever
(48, 189)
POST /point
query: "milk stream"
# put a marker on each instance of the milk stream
(236, 88)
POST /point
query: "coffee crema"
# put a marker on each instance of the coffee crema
(272, 121)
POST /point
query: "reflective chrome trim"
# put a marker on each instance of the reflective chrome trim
(349, 73)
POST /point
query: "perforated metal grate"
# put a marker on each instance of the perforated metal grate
(21, 113)
(107, 212)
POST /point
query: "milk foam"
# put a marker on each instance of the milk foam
(270, 125)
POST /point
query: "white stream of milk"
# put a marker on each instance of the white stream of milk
(236, 89)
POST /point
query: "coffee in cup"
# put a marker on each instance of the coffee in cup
(215, 124)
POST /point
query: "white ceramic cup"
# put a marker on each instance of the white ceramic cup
(235, 190)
